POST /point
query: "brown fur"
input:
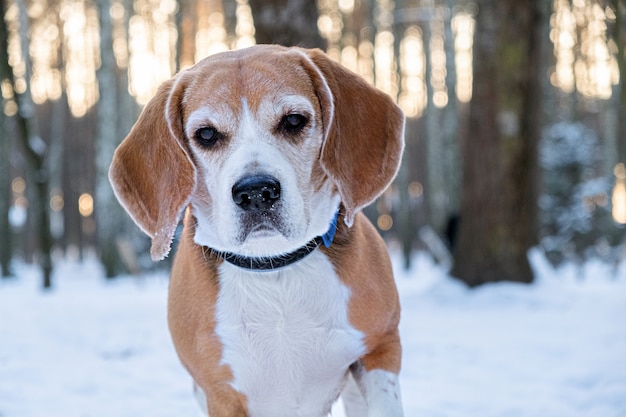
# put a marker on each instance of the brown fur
(192, 297)
(361, 261)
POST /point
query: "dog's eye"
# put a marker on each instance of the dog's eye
(292, 124)
(207, 136)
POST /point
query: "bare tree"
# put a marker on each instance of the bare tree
(619, 35)
(35, 151)
(107, 213)
(6, 241)
(186, 24)
(115, 232)
(499, 202)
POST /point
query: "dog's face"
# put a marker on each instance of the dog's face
(263, 144)
(260, 188)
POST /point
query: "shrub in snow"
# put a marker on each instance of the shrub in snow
(574, 202)
(568, 145)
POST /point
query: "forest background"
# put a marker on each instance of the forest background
(516, 119)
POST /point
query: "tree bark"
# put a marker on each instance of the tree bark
(436, 188)
(35, 153)
(112, 221)
(499, 202)
(6, 235)
(404, 216)
(450, 121)
(620, 39)
(6, 243)
(187, 17)
(286, 22)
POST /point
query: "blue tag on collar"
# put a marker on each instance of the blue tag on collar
(328, 237)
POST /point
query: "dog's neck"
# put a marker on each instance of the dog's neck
(272, 263)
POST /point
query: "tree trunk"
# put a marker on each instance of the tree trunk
(187, 27)
(450, 122)
(404, 216)
(111, 219)
(498, 209)
(286, 22)
(35, 152)
(620, 40)
(436, 188)
(6, 241)
(6, 235)
(230, 22)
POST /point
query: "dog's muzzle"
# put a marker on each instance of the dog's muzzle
(258, 198)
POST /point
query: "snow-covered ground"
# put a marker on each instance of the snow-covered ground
(557, 348)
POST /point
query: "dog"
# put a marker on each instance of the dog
(281, 292)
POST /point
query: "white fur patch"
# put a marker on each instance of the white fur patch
(381, 390)
(286, 336)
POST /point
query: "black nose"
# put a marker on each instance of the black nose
(256, 192)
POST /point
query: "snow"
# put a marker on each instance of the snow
(556, 348)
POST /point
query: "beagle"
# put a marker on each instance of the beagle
(281, 293)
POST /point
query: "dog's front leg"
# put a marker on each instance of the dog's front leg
(380, 389)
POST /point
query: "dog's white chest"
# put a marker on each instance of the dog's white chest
(286, 336)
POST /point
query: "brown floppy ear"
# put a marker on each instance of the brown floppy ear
(151, 174)
(365, 133)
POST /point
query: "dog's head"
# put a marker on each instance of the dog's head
(263, 144)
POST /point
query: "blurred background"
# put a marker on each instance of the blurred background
(515, 136)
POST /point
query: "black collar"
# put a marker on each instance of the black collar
(272, 263)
